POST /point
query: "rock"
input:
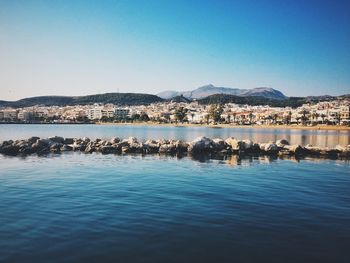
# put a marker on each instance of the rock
(232, 142)
(201, 145)
(66, 148)
(56, 147)
(237, 145)
(151, 146)
(181, 146)
(131, 140)
(282, 142)
(247, 145)
(293, 149)
(269, 147)
(41, 144)
(57, 139)
(90, 147)
(68, 141)
(108, 149)
(163, 141)
(9, 149)
(167, 148)
(114, 140)
(86, 140)
(219, 144)
(33, 139)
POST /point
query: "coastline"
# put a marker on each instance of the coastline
(291, 127)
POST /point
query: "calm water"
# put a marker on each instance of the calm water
(303, 137)
(107, 208)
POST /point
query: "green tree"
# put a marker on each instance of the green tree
(180, 114)
(144, 117)
(215, 112)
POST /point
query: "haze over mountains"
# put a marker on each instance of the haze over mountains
(210, 89)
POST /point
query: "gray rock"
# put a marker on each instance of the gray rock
(68, 141)
(66, 148)
(282, 142)
(269, 147)
(114, 140)
(108, 149)
(201, 145)
(56, 147)
(9, 149)
(167, 148)
(181, 146)
(219, 144)
(57, 139)
(33, 139)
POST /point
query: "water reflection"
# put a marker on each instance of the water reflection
(230, 160)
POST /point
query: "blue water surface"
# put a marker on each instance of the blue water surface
(107, 208)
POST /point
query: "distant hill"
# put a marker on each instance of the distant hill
(210, 89)
(180, 99)
(115, 98)
(253, 100)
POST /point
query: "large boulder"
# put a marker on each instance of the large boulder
(9, 148)
(219, 144)
(108, 149)
(56, 147)
(68, 141)
(282, 142)
(293, 150)
(56, 139)
(32, 139)
(151, 146)
(201, 145)
(167, 148)
(114, 140)
(90, 147)
(269, 147)
(239, 145)
(181, 146)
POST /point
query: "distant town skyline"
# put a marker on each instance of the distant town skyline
(78, 48)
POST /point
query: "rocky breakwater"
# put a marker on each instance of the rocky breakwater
(201, 145)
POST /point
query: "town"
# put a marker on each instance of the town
(322, 113)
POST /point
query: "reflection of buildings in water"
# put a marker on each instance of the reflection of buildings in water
(344, 139)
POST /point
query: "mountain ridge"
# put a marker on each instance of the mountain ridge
(210, 89)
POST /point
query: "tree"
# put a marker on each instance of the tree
(323, 116)
(234, 117)
(275, 117)
(215, 112)
(144, 117)
(180, 114)
(250, 117)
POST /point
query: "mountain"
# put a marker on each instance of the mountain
(115, 98)
(210, 89)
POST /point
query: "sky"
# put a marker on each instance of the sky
(86, 47)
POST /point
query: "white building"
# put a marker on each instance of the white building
(122, 112)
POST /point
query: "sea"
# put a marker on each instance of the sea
(76, 207)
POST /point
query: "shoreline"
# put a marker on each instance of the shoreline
(290, 127)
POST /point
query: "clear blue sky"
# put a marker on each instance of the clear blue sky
(86, 47)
